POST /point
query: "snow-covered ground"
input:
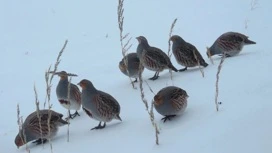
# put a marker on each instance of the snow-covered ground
(33, 32)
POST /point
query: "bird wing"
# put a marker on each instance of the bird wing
(157, 55)
(231, 40)
(178, 98)
(194, 52)
(76, 93)
(108, 102)
(35, 125)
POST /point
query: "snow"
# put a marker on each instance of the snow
(33, 32)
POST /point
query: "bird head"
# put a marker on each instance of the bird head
(158, 100)
(85, 84)
(209, 54)
(122, 66)
(142, 39)
(19, 141)
(174, 38)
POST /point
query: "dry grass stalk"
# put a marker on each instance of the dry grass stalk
(38, 110)
(217, 81)
(48, 95)
(20, 122)
(209, 53)
(125, 47)
(254, 4)
(198, 63)
(68, 119)
(169, 45)
(48, 81)
(150, 112)
(58, 60)
(170, 34)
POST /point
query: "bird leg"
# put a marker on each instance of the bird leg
(135, 80)
(168, 117)
(155, 77)
(73, 115)
(184, 69)
(226, 55)
(99, 126)
(40, 141)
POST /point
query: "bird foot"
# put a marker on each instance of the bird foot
(227, 55)
(168, 117)
(40, 141)
(154, 78)
(72, 116)
(135, 80)
(184, 69)
(99, 126)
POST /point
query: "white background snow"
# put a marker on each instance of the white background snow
(33, 32)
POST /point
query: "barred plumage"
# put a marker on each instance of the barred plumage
(132, 67)
(186, 54)
(153, 58)
(170, 101)
(98, 105)
(230, 43)
(62, 94)
(31, 127)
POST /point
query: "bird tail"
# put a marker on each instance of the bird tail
(118, 117)
(203, 63)
(172, 67)
(247, 41)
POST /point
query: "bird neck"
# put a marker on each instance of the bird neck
(63, 80)
(214, 50)
(141, 48)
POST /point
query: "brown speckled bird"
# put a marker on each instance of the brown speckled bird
(186, 54)
(229, 43)
(132, 67)
(170, 101)
(31, 127)
(98, 105)
(153, 58)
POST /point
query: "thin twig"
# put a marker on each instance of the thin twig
(58, 60)
(169, 45)
(217, 81)
(170, 34)
(68, 118)
(254, 4)
(149, 87)
(125, 47)
(38, 111)
(150, 112)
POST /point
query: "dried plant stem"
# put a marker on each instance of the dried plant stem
(38, 111)
(20, 122)
(217, 81)
(170, 34)
(150, 112)
(198, 63)
(254, 4)
(58, 60)
(68, 118)
(125, 47)
(48, 95)
(169, 45)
